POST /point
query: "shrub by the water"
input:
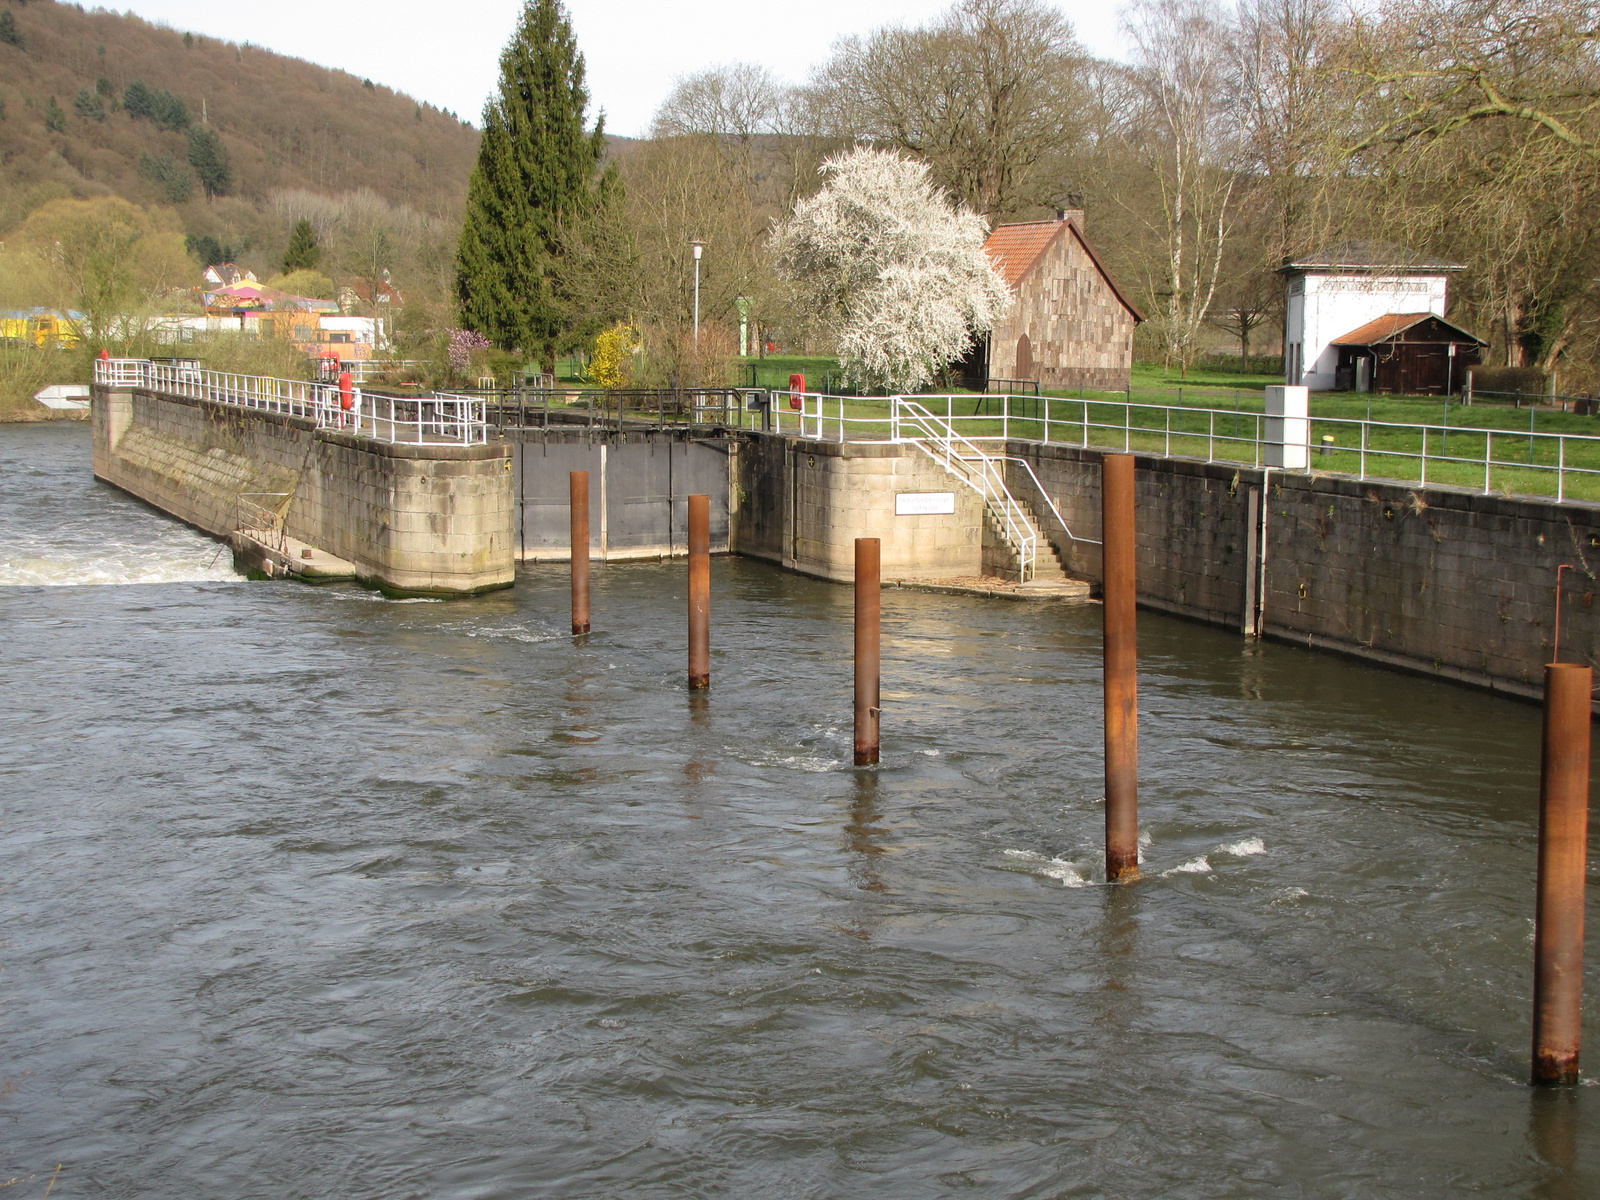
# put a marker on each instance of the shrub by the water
(612, 364)
(25, 369)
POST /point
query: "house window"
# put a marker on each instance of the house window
(340, 339)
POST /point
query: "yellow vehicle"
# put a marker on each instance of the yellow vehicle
(41, 327)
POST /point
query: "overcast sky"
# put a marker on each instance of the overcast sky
(447, 53)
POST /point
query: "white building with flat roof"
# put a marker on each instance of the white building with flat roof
(1343, 288)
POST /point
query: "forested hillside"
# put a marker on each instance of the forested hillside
(95, 103)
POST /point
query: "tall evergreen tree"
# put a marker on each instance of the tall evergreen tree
(536, 177)
(303, 253)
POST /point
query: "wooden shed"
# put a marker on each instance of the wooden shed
(1412, 354)
(1070, 326)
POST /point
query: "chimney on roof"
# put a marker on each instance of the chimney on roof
(1069, 207)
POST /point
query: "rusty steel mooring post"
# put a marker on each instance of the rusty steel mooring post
(1563, 864)
(699, 592)
(1121, 667)
(869, 615)
(580, 551)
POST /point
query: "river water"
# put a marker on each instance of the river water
(308, 894)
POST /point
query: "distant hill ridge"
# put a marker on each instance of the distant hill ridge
(284, 123)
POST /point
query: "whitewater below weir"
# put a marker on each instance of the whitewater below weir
(308, 893)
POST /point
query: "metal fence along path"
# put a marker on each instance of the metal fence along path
(437, 419)
(1559, 464)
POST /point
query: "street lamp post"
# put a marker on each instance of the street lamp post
(698, 247)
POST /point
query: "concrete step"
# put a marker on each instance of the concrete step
(1047, 568)
(294, 559)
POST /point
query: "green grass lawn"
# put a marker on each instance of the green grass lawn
(774, 371)
(1217, 416)
(1152, 376)
(1224, 425)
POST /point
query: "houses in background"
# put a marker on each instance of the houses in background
(1368, 318)
(1070, 326)
(228, 275)
(235, 302)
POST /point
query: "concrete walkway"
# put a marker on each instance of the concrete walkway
(295, 560)
(1000, 589)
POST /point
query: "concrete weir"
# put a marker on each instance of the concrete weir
(416, 520)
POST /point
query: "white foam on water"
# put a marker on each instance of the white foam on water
(59, 528)
(513, 633)
(812, 764)
(1244, 849)
(1058, 869)
(1290, 895)
(147, 565)
(1195, 866)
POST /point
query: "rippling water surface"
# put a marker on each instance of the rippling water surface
(311, 894)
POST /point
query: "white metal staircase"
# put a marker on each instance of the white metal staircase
(963, 458)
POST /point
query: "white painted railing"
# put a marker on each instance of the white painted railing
(984, 473)
(415, 420)
(363, 369)
(1413, 452)
(442, 417)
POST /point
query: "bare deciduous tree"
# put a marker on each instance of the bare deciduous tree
(1450, 64)
(988, 96)
(1286, 120)
(1479, 121)
(680, 190)
(737, 100)
(1179, 132)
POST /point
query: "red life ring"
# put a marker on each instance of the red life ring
(347, 398)
(797, 388)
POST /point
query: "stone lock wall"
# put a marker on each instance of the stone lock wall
(1438, 580)
(430, 520)
(803, 503)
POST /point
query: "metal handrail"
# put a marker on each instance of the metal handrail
(449, 419)
(1163, 429)
(264, 523)
(1062, 521)
(989, 482)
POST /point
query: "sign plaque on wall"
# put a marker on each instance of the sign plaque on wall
(918, 504)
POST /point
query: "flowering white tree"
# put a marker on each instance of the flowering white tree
(890, 268)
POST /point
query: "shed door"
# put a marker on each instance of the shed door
(1024, 358)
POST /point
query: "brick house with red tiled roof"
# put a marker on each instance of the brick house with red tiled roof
(1070, 326)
